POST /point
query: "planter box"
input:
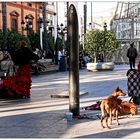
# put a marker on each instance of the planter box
(101, 66)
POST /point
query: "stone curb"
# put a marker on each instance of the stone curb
(65, 95)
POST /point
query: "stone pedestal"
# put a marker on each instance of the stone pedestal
(101, 66)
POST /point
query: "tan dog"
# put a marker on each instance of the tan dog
(109, 105)
(127, 108)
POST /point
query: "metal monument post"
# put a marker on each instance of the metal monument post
(73, 36)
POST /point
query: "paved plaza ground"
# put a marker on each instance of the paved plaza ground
(43, 117)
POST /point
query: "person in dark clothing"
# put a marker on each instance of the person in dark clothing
(132, 54)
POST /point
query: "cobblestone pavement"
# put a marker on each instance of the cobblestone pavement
(43, 117)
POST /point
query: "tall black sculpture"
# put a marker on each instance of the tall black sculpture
(73, 39)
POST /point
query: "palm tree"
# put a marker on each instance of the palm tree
(44, 26)
(4, 48)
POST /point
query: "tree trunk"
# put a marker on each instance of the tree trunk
(4, 47)
(45, 47)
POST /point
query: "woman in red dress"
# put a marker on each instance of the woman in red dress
(19, 84)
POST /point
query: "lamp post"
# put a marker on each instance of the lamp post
(56, 35)
(41, 30)
(40, 22)
(63, 64)
(50, 28)
(28, 25)
(105, 29)
(62, 33)
(90, 25)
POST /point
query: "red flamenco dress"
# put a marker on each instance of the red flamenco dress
(18, 85)
(139, 67)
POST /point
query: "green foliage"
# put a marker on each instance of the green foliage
(50, 40)
(1, 38)
(13, 39)
(100, 42)
(34, 40)
(60, 43)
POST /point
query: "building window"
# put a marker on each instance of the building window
(29, 4)
(40, 7)
(14, 24)
(30, 21)
(14, 20)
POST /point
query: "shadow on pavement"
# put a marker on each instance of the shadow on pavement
(112, 133)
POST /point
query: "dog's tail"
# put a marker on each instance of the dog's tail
(134, 110)
(103, 108)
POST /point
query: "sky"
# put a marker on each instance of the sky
(99, 9)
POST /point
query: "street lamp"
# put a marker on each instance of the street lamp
(105, 26)
(90, 25)
(50, 28)
(40, 22)
(28, 25)
(63, 63)
(62, 31)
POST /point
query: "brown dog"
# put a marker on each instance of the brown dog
(127, 108)
(109, 105)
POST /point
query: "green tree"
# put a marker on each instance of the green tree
(13, 39)
(1, 39)
(34, 40)
(100, 43)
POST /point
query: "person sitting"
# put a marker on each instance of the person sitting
(86, 59)
(19, 84)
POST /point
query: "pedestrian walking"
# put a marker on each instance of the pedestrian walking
(132, 54)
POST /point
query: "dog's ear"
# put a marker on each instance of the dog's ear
(117, 89)
(114, 92)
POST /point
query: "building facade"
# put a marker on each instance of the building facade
(126, 23)
(16, 12)
(126, 26)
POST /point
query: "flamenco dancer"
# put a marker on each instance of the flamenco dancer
(19, 84)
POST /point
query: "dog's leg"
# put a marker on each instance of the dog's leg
(102, 118)
(107, 118)
(103, 114)
(117, 117)
(110, 114)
